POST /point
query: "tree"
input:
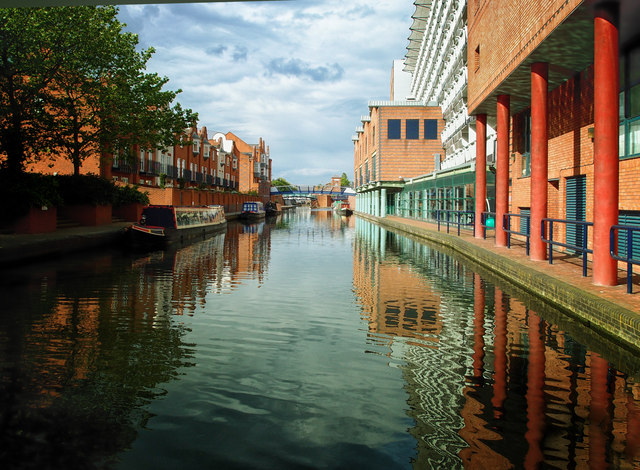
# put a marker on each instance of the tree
(278, 182)
(92, 95)
(344, 180)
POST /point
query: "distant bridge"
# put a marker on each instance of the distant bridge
(309, 191)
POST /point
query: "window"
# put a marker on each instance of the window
(431, 129)
(526, 143)
(373, 167)
(394, 128)
(629, 103)
(142, 155)
(413, 129)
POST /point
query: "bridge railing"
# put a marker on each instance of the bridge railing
(582, 248)
(627, 258)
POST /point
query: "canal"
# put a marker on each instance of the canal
(310, 341)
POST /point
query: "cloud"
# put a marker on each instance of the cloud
(217, 50)
(240, 54)
(299, 74)
(299, 68)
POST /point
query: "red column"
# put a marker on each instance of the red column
(481, 170)
(502, 167)
(539, 157)
(535, 394)
(478, 327)
(599, 417)
(605, 104)
(500, 355)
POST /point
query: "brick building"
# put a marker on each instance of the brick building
(560, 78)
(397, 141)
(254, 165)
(216, 161)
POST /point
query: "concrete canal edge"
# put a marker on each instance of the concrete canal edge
(615, 321)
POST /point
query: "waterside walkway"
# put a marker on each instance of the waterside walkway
(609, 310)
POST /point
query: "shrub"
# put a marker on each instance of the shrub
(86, 189)
(20, 192)
(128, 195)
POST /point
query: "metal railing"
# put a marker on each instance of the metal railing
(630, 229)
(578, 248)
(487, 221)
(506, 226)
(462, 219)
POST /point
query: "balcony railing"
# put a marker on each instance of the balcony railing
(460, 219)
(506, 225)
(582, 248)
(628, 256)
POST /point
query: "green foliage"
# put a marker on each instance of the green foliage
(344, 180)
(86, 189)
(19, 193)
(73, 83)
(253, 192)
(280, 182)
(128, 195)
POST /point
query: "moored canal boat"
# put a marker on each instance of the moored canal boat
(253, 210)
(163, 225)
(342, 208)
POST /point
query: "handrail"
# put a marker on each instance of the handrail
(613, 248)
(582, 249)
(506, 226)
(485, 217)
(458, 222)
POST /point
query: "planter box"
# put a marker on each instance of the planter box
(129, 212)
(38, 220)
(88, 215)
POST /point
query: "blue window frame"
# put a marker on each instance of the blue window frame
(431, 129)
(394, 129)
(629, 103)
(413, 129)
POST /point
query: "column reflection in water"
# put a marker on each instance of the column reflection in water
(491, 381)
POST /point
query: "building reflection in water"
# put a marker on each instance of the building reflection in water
(80, 360)
(492, 381)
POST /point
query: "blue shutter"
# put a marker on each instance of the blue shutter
(576, 208)
(629, 218)
(524, 223)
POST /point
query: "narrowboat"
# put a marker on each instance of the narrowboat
(163, 225)
(252, 211)
(272, 208)
(342, 208)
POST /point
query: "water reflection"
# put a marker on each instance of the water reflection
(308, 340)
(491, 382)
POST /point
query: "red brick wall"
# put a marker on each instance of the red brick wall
(571, 152)
(403, 157)
(397, 157)
(505, 32)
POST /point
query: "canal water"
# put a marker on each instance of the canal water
(309, 341)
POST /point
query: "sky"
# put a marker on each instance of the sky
(297, 73)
